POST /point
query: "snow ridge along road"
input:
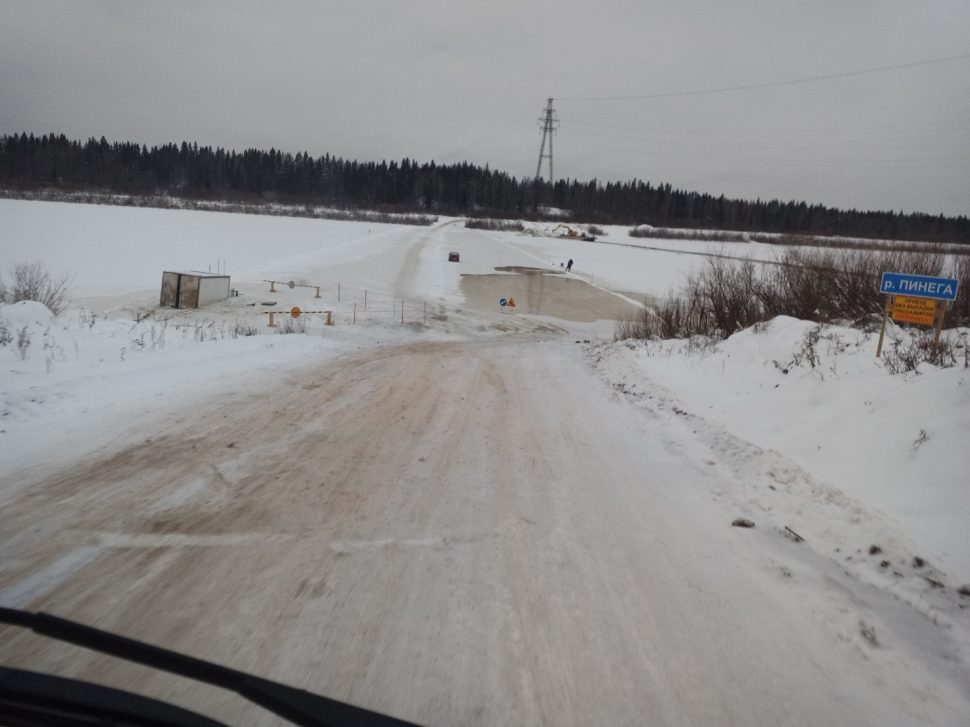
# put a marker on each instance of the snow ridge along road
(459, 533)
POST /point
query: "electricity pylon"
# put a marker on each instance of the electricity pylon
(549, 123)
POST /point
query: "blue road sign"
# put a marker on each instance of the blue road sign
(503, 302)
(919, 286)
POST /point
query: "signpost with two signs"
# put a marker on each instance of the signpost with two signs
(919, 299)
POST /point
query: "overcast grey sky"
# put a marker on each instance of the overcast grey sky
(454, 80)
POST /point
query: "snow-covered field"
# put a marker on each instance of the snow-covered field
(121, 251)
(789, 425)
(644, 266)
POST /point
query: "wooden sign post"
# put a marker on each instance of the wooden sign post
(940, 314)
(918, 299)
(886, 310)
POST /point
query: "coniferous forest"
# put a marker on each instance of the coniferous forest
(29, 162)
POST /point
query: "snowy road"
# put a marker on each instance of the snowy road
(457, 533)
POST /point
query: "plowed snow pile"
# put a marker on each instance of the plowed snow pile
(818, 396)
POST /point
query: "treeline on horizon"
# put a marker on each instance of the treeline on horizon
(201, 172)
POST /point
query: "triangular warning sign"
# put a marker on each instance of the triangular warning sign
(511, 302)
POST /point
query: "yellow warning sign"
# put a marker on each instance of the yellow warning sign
(511, 302)
(907, 309)
(295, 311)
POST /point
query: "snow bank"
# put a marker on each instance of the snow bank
(27, 313)
(819, 397)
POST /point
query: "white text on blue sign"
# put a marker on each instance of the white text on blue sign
(920, 286)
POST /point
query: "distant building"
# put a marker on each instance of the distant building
(193, 290)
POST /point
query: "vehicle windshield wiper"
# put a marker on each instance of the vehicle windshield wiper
(21, 691)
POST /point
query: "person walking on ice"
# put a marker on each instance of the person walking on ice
(569, 265)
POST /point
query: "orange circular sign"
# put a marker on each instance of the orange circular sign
(295, 312)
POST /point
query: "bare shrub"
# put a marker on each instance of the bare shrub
(800, 240)
(809, 351)
(827, 285)
(728, 295)
(857, 284)
(672, 233)
(164, 201)
(241, 329)
(808, 354)
(684, 316)
(32, 281)
(942, 354)
(290, 325)
(715, 302)
(959, 312)
(594, 230)
(802, 285)
(868, 633)
(642, 324)
(856, 243)
(906, 357)
(23, 343)
(491, 224)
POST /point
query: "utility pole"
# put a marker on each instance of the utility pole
(549, 123)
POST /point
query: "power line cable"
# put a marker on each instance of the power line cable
(807, 162)
(771, 84)
(832, 142)
(957, 128)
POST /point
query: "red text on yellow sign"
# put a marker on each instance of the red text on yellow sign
(921, 311)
